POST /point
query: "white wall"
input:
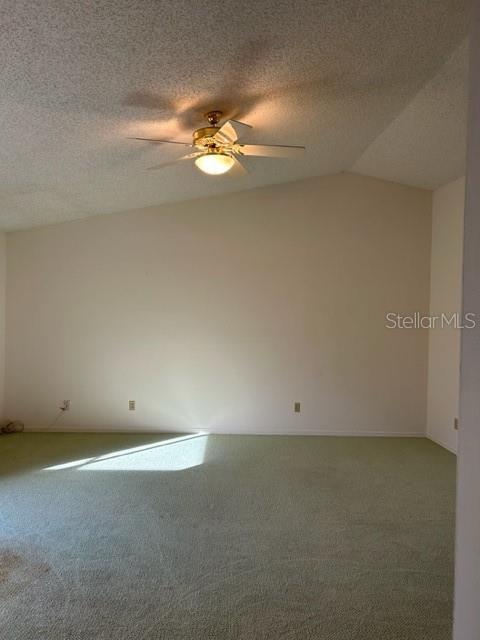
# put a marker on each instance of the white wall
(467, 566)
(3, 276)
(220, 313)
(445, 297)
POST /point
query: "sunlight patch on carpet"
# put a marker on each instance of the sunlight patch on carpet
(174, 454)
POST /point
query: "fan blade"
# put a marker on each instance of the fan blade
(185, 144)
(269, 150)
(238, 170)
(231, 131)
(190, 156)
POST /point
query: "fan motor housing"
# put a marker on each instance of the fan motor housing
(204, 137)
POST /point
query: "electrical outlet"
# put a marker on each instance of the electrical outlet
(455, 424)
(296, 407)
(131, 405)
(65, 406)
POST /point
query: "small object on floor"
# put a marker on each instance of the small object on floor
(14, 426)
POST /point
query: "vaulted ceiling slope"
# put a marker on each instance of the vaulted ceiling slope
(374, 86)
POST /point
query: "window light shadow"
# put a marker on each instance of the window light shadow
(174, 454)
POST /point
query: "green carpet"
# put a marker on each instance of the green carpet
(225, 537)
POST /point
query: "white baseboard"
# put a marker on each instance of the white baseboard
(237, 432)
(441, 444)
(319, 432)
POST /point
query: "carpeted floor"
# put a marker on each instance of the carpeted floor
(224, 537)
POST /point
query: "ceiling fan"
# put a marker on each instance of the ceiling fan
(217, 149)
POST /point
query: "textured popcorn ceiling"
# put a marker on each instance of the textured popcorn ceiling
(377, 86)
(425, 144)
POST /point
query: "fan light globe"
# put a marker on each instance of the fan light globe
(214, 163)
